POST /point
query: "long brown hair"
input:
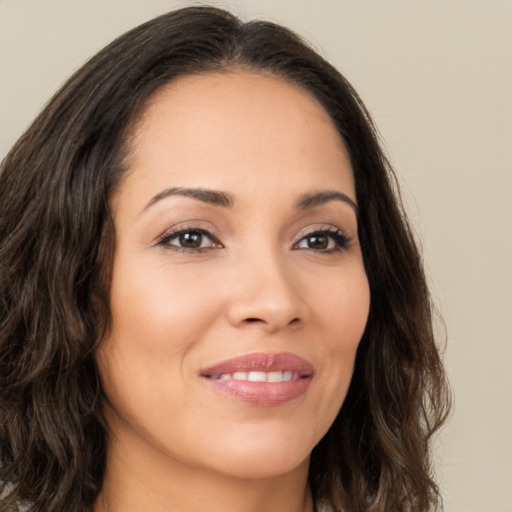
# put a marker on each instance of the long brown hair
(56, 245)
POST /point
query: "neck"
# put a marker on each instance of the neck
(142, 479)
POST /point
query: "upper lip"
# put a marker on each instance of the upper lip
(262, 362)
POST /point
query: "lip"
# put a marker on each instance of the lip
(264, 394)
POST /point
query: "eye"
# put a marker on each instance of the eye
(325, 240)
(189, 240)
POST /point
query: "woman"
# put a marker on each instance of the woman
(211, 299)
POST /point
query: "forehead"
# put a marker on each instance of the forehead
(224, 128)
(233, 86)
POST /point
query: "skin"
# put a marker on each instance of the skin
(177, 443)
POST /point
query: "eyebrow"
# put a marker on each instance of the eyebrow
(212, 197)
(324, 196)
(218, 198)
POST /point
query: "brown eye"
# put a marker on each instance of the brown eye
(317, 242)
(191, 240)
(324, 241)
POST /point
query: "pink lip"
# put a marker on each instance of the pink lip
(262, 393)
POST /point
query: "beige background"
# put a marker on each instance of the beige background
(437, 76)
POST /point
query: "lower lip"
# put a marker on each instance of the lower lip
(265, 394)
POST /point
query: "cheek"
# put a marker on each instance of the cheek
(158, 319)
(343, 315)
(344, 309)
(161, 310)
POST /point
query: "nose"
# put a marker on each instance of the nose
(266, 295)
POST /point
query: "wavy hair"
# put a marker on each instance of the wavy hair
(57, 240)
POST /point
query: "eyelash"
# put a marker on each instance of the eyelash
(167, 237)
(342, 241)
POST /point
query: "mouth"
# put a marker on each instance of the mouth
(261, 379)
(257, 376)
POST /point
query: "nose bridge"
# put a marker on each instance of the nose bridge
(266, 292)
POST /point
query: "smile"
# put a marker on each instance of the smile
(278, 376)
(261, 379)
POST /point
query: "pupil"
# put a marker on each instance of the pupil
(191, 240)
(318, 242)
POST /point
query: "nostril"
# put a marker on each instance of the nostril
(255, 320)
(252, 320)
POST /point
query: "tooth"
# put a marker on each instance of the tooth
(257, 377)
(275, 376)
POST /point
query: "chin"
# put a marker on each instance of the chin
(261, 469)
(264, 457)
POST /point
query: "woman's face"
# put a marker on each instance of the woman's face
(239, 294)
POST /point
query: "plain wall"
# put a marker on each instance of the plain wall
(437, 77)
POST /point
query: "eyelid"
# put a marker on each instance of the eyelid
(340, 237)
(164, 239)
